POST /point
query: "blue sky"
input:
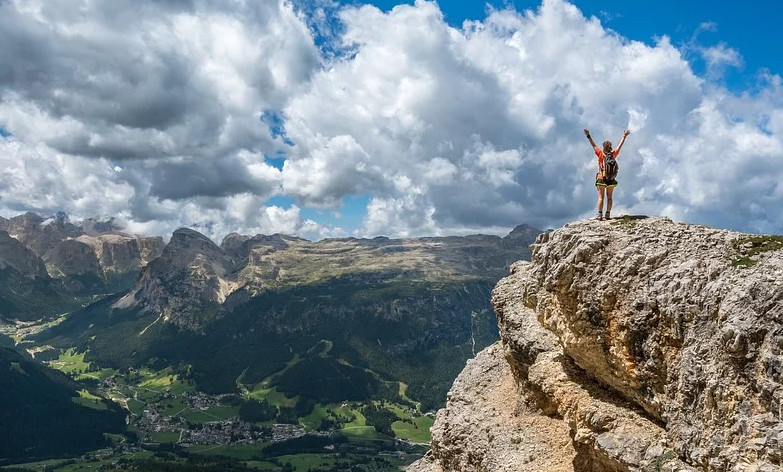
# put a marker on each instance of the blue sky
(327, 119)
(751, 27)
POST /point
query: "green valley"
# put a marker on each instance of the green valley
(266, 352)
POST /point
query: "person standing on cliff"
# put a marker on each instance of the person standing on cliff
(605, 181)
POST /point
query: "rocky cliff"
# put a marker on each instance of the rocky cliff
(14, 255)
(93, 255)
(637, 344)
(187, 283)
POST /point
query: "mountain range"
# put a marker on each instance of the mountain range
(264, 316)
(248, 306)
(49, 265)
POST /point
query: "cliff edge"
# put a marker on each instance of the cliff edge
(636, 344)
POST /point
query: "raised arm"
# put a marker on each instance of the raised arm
(622, 141)
(590, 138)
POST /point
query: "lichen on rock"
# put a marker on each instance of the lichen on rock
(644, 338)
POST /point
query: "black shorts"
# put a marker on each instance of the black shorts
(599, 182)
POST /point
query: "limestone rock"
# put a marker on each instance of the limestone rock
(486, 426)
(187, 283)
(120, 253)
(658, 344)
(41, 233)
(73, 257)
(93, 254)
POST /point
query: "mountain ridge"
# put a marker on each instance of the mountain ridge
(91, 257)
(193, 272)
(40, 403)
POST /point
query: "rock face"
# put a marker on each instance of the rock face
(487, 427)
(39, 233)
(658, 345)
(14, 255)
(187, 283)
(116, 258)
(93, 255)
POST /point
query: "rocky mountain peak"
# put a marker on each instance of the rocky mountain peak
(233, 241)
(189, 249)
(97, 226)
(41, 233)
(93, 255)
(637, 344)
(239, 246)
(27, 219)
(522, 231)
(187, 283)
(189, 237)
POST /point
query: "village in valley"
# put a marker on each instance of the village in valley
(166, 412)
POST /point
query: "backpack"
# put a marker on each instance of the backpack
(610, 167)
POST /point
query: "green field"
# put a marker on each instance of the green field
(70, 362)
(418, 432)
(360, 419)
(313, 420)
(173, 407)
(364, 432)
(98, 375)
(164, 381)
(89, 400)
(136, 407)
(272, 396)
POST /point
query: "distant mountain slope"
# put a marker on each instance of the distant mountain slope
(40, 416)
(26, 290)
(194, 278)
(92, 256)
(5, 341)
(410, 310)
(14, 255)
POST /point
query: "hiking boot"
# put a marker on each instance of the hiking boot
(607, 217)
(599, 217)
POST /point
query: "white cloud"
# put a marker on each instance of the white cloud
(484, 124)
(721, 55)
(168, 96)
(448, 130)
(339, 166)
(243, 213)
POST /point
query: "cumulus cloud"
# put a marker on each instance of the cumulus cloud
(143, 108)
(167, 113)
(243, 213)
(37, 178)
(480, 126)
(721, 55)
